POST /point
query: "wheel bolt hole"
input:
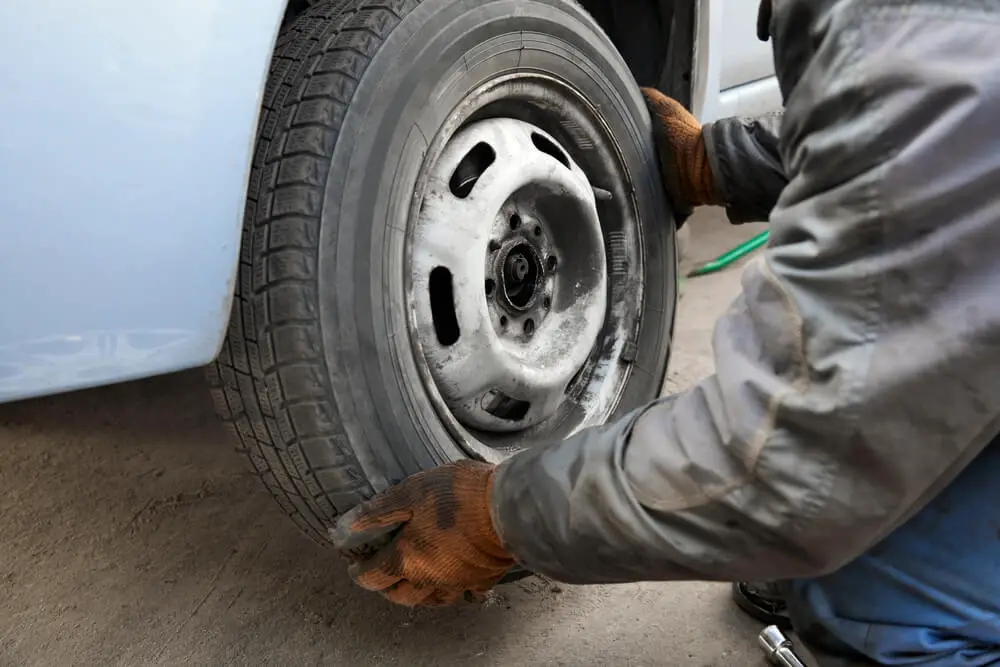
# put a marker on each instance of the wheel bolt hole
(515, 221)
(529, 327)
(503, 321)
(547, 303)
(551, 263)
(490, 287)
(538, 230)
(494, 245)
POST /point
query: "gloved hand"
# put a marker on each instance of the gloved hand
(429, 540)
(680, 146)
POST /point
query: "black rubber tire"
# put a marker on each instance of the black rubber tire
(314, 382)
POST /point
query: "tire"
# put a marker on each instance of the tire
(318, 377)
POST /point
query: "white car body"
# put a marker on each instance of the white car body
(733, 70)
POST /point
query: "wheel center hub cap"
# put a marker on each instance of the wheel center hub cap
(521, 275)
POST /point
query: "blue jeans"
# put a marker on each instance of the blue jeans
(928, 594)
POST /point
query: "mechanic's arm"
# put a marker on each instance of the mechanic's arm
(855, 374)
(732, 162)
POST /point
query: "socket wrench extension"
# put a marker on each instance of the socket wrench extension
(778, 648)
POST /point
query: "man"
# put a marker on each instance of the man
(845, 446)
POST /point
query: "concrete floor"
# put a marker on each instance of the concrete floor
(132, 536)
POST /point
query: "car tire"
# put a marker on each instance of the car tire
(322, 377)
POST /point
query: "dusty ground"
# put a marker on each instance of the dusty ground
(131, 536)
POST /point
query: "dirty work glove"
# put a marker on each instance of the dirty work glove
(429, 540)
(680, 146)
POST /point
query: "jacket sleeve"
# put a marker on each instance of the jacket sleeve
(746, 164)
(856, 372)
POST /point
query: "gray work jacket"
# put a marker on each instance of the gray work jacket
(858, 371)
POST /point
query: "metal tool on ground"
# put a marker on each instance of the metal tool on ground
(727, 258)
(778, 648)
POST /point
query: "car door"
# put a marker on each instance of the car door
(733, 69)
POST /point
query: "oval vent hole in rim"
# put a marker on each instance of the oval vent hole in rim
(505, 407)
(470, 169)
(443, 313)
(545, 145)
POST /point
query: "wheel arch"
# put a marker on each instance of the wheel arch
(655, 37)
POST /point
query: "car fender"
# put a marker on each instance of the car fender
(126, 135)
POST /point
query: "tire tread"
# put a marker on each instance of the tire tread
(270, 383)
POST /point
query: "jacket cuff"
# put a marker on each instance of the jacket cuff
(743, 155)
(712, 150)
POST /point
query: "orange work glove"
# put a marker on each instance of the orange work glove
(429, 540)
(680, 146)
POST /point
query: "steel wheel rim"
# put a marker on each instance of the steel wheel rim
(548, 107)
(504, 324)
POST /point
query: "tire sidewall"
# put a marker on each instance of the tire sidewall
(442, 50)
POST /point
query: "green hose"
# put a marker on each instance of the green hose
(727, 258)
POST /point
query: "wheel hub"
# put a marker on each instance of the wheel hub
(520, 276)
(503, 321)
